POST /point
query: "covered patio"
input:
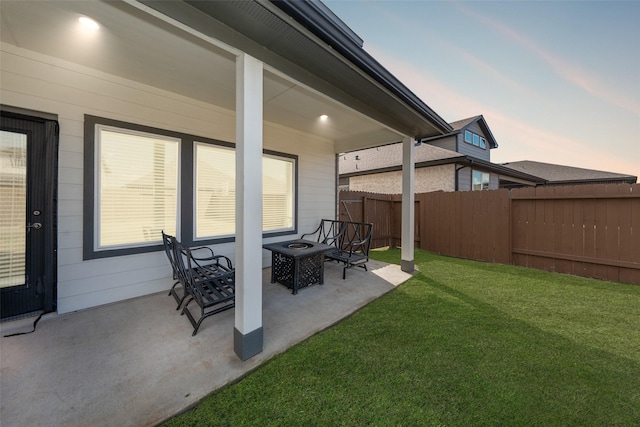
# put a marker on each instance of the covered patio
(288, 80)
(135, 363)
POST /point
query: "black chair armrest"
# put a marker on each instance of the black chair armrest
(317, 231)
(206, 257)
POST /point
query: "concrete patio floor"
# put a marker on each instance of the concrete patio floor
(135, 363)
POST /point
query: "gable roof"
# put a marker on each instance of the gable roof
(460, 125)
(556, 174)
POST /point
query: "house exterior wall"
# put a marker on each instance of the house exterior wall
(472, 150)
(426, 179)
(465, 184)
(448, 143)
(494, 181)
(40, 83)
(464, 179)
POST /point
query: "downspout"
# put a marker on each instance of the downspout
(456, 173)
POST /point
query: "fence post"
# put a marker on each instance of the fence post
(509, 207)
(408, 208)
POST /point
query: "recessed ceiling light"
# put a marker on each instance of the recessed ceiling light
(89, 23)
(324, 117)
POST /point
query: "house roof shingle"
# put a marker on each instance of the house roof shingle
(554, 173)
(460, 124)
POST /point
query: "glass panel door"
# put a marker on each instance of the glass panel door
(13, 205)
(28, 188)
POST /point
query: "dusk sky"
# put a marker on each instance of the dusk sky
(556, 81)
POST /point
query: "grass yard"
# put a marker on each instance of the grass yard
(461, 343)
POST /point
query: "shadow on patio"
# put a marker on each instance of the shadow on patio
(135, 363)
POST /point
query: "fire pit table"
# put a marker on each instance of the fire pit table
(297, 263)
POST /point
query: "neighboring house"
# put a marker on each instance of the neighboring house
(456, 161)
(190, 117)
(558, 174)
(470, 136)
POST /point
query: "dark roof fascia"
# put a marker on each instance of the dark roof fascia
(318, 19)
(485, 127)
(623, 179)
(503, 170)
(321, 20)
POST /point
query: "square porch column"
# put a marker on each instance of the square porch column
(408, 205)
(248, 332)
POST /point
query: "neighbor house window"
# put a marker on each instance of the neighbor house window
(468, 137)
(480, 180)
(474, 139)
(136, 194)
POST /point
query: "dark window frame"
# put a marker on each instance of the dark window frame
(186, 197)
(482, 182)
(475, 139)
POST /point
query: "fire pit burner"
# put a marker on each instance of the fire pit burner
(298, 246)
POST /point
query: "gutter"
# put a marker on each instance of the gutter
(320, 21)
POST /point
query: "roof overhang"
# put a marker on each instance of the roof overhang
(305, 41)
(314, 64)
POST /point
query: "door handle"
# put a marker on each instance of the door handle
(35, 225)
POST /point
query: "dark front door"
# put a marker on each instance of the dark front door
(28, 165)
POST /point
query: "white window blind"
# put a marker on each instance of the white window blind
(13, 204)
(137, 187)
(215, 193)
(278, 188)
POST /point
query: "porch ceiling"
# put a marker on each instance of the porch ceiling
(139, 46)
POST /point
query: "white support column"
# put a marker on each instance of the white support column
(408, 204)
(248, 333)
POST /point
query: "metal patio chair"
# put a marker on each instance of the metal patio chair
(211, 286)
(352, 246)
(206, 260)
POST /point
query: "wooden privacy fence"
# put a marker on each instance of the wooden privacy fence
(586, 230)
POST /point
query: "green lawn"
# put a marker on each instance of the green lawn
(461, 343)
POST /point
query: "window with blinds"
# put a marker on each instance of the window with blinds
(215, 192)
(136, 187)
(13, 202)
(278, 190)
(138, 176)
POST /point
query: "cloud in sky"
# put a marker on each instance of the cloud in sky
(571, 73)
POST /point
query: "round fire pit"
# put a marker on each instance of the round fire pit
(298, 245)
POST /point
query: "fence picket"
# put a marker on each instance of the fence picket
(587, 230)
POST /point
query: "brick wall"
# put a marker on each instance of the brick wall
(433, 178)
